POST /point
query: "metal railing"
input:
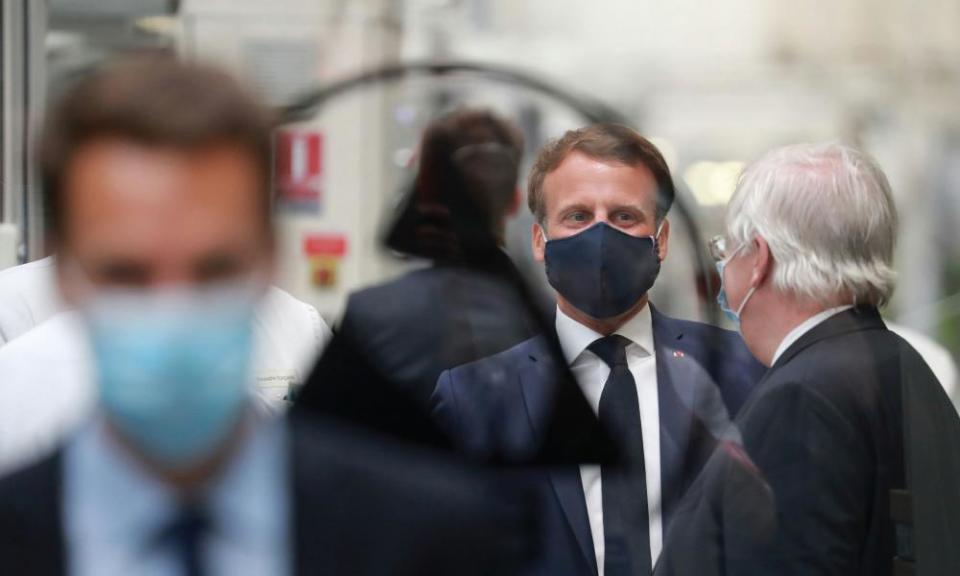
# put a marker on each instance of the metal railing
(22, 99)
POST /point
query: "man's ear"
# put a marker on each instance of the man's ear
(763, 262)
(537, 243)
(663, 240)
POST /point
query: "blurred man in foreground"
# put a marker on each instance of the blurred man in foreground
(47, 386)
(849, 463)
(157, 182)
(662, 387)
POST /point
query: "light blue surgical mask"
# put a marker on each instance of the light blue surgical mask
(732, 315)
(173, 368)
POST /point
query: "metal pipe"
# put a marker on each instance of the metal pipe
(591, 109)
(22, 98)
(11, 109)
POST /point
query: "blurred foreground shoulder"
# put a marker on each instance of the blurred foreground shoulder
(30, 511)
(367, 504)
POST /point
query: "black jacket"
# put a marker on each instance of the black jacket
(823, 445)
(411, 329)
(381, 368)
(361, 506)
(500, 407)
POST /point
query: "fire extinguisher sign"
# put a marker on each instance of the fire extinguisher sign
(298, 170)
(325, 253)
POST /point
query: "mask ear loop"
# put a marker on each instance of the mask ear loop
(745, 300)
(656, 239)
(752, 289)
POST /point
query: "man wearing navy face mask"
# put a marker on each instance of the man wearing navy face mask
(662, 387)
(156, 175)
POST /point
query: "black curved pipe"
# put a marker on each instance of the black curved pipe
(591, 109)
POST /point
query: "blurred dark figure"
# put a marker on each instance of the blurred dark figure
(396, 338)
(413, 328)
(662, 387)
(157, 181)
(849, 463)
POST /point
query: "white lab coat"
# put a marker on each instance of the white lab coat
(28, 297)
(46, 375)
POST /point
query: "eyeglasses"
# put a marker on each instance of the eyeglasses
(719, 248)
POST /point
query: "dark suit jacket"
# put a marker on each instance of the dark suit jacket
(395, 339)
(823, 445)
(417, 326)
(497, 407)
(361, 505)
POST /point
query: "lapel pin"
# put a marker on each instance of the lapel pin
(678, 354)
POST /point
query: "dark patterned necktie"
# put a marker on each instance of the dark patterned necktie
(185, 536)
(626, 527)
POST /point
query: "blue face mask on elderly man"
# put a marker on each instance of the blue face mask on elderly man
(732, 315)
(173, 366)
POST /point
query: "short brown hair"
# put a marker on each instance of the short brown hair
(606, 142)
(492, 172)
(154, 100)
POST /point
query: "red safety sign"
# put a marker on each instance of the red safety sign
(324, 252)
(299, 169)
(325, 245)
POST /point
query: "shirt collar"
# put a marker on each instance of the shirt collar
(101, 472)
(250, 498)
(99, 476)
(575, 337)
(804, 327)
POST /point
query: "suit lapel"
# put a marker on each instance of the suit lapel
(538, 382)
(676, 392)
(569, 490)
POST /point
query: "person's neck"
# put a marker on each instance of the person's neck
(191, 479)
(767, 330)
(604, 326)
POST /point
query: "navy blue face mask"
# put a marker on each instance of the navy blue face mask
(602, 271)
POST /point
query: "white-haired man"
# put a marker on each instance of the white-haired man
(848, 416)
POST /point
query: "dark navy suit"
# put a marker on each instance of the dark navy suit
(361, 504)
(846, 414)
(497, 408)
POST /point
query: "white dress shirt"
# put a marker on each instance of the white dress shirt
(804, 327)
(47, 381)
(591, 373)
(113, 509)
